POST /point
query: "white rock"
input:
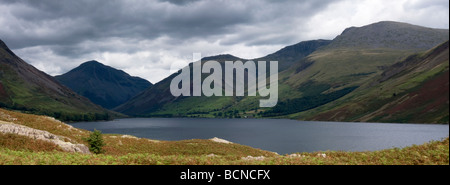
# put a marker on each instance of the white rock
(295, 155)
(321, 155)
(211, 155)
(218, 140)
(128, 136)
(12, 128)
(251, 158)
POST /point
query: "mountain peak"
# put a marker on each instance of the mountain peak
(2, 44)
(93, 62)
(224, 57)
(390, 34)
(102, 84)
(5, 47)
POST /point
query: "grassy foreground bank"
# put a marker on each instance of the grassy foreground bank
(129, 150)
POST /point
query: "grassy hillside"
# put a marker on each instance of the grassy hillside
(158, 101)
(415, 90)
(128, 150)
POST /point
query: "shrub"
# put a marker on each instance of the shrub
(95, 141)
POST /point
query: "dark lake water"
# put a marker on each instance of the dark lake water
(277, 135)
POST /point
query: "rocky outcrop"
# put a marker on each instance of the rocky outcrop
(61, 141)
(218, 140)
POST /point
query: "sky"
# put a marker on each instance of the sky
(145, 37)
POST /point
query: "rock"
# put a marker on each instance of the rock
(211, 155)
(128, 136)
(321, 155)
(251, 158)
(295, 155)
(218, 140)
(12, 128)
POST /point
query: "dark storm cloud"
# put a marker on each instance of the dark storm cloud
(59, 34)
(67, 22)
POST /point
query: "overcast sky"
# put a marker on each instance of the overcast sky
(144, 37)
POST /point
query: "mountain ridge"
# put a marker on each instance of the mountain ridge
(154, 98)
(326, 74)
(390, 34)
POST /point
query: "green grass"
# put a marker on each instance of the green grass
(344, 66)
(433, 153)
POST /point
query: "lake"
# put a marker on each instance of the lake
(278, 135)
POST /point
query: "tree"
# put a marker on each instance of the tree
(95, 141)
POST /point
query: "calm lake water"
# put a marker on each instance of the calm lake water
(277, 135)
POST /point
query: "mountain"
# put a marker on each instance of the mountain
(415, 90)
(25, 88)
(355, 56)
(389, 34)
(310, 81)
(291, 54)
(102, 84)
(158, 99)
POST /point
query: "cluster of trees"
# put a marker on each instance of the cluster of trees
(62, 116)
(76, 117)
(305, 103)
(228, 114)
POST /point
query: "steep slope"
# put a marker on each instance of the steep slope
(23, 87)
(291, 54)
(350, 60)
(415, 90)
(102, 84)
(159, 101)
(158, 96)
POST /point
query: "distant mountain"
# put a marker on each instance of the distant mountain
(311, 78)
(392, 35)
(349, 61)
(159, 95)
(159, 101)
(25, 88)
(103, 85)
(415, 90)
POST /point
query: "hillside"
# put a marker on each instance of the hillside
(158, 101)
(102, 84)
(158, 96)
(292, 54)
(321, 74)
(25, 88)
(348, 62)
(415, 90)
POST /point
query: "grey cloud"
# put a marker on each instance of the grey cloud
(180, 2)
(63, 22)
(76, 30)
(69, 22)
